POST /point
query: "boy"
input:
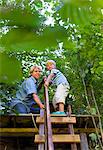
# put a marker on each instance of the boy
(57, 78)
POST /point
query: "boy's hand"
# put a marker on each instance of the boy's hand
(46, 83)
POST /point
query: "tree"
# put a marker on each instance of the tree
(70, 32)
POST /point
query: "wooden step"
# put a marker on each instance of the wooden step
(58, 120)
(60, 138)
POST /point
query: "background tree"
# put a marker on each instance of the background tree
(69, 32)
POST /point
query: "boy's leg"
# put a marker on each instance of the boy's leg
(59, 97)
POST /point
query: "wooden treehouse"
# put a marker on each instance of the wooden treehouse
(44, 131)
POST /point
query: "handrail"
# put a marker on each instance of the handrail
(50, 145)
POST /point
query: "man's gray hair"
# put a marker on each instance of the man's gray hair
(34, 67)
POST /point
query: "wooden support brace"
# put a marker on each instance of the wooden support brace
(48, 121)
(70, 129)
(83, 143)
(41, 131)
(63, 138)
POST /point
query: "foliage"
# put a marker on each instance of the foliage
(69, 32)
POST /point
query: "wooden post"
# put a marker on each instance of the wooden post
(49, 128)
(70, 128)
(41, 130)
(45, 127)
(83, 143)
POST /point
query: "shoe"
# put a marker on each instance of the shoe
(59, 113)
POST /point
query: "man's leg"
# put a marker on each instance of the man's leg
(20, 108)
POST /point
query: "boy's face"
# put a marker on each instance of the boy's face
(49, 66)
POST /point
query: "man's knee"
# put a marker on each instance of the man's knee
(20, 108)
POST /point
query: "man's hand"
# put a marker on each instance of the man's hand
(41, 106)
(44, 78)
(37, 100)
(42, 82)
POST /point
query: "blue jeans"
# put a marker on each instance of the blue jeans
(20, 108)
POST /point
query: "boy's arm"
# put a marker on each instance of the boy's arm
(37, 100)
(49, 79)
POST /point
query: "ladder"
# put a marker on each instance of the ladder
(46, 139)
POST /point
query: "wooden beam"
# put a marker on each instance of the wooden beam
(18, 130)
(58, 120)
(48, 120)
(86, 130)
(26, 120)
(70, 128)
(8, 132)
(83, 143)
(41, 131)
(64, 138)
(38, 115)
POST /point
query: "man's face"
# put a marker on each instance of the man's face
(36, 73)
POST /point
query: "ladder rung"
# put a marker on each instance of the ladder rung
(58, 120)
(60, 138)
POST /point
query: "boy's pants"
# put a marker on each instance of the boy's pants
(60, 94)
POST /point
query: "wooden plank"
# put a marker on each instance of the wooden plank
(45, 127)
(58, 120)
(83, 143)
(31, 131)
(63, 138)
(48, 119)
(37, 115)
(70, 128)
(26, 120)
(18, 130)
(41, 130)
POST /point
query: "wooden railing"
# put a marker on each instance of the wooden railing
(48, 128)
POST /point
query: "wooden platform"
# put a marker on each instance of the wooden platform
(25, 120)
(58, 120)
(22, 125)
(59, 138)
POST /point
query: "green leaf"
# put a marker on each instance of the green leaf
(80, 12)
(22, 39)
(20, 17)
(93, 111)
(10, 69)
(93, 137)
(101, 63)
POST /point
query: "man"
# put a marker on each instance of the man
(26, 96)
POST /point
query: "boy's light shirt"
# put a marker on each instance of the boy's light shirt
(58, 78)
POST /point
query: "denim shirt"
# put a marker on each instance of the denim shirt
(25, 93)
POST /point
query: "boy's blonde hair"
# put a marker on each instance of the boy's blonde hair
(50, 62)
(34, 67)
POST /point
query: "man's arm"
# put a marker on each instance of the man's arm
(49, 79)
(41, 83)
(37, 100)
